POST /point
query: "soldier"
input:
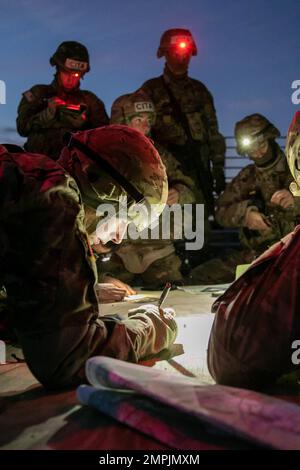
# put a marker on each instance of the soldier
(155, 261)
(47, 264)
(257, 200)
(186, 122)
(254, 339)
(47, 112)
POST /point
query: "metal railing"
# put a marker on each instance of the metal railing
(233, 162)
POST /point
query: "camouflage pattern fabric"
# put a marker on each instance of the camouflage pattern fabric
(257, 320)
(163, 269)
(196, 103)
(220, 270)
(49, 274)
(44, 130)
(133, 156)
(252, 189)
(154, 260)
(256, 129)
(178, 179)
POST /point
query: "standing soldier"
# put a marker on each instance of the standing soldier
(47, 112)
(186, 121)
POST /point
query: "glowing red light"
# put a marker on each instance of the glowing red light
(76, 75)
(182, 45)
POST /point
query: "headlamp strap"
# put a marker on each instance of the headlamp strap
(99, 160)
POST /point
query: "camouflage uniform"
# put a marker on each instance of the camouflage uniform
(155, 261)
(251, 189)
(256, 321)
(45, 130)
(198, 144)
(48, 268)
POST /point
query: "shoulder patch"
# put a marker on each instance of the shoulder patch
(29, 95)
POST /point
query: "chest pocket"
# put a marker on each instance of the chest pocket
(269, 184)
(197, 126)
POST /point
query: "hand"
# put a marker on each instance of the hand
(283, 198)
(109, 293)
(257, 221)
(119, 284)
(173, 196)
(153, 330)
(77, 120)
(55, 102)
(150, 309)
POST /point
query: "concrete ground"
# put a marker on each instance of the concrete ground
(31, 418)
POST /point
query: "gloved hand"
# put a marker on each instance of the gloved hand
(54, 103)
(74, 119)
(49, 113)
(219, 178)
(167, 313)
(151, 329)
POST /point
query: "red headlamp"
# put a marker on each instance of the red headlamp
(182, 46)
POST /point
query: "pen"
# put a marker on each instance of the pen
(164, 294)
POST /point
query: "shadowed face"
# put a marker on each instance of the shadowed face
(259, 152)
(68, 80)
(141, 123)
(178, 60)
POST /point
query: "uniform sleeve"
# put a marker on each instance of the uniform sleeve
(217, 140)
(33, 112)
(53, 290)
(97, 113)
(138, 337)
(233, 204)
(147, 88)
(177, 178)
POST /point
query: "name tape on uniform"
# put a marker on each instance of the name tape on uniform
(144, 107)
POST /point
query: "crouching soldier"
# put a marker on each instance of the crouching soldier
(257, 200)
(154, 261)
(47, 225)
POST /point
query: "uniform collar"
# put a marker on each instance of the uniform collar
(276, 160)
(170, 77)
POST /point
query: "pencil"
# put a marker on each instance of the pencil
(164, 294)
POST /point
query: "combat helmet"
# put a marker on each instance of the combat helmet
(127, 106)
(71, 56)
(176, 38)
(112, 162)
(253, 131)
(293, 153)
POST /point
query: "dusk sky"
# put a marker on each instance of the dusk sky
(248, 50)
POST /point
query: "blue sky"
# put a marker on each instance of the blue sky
(248, 50)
